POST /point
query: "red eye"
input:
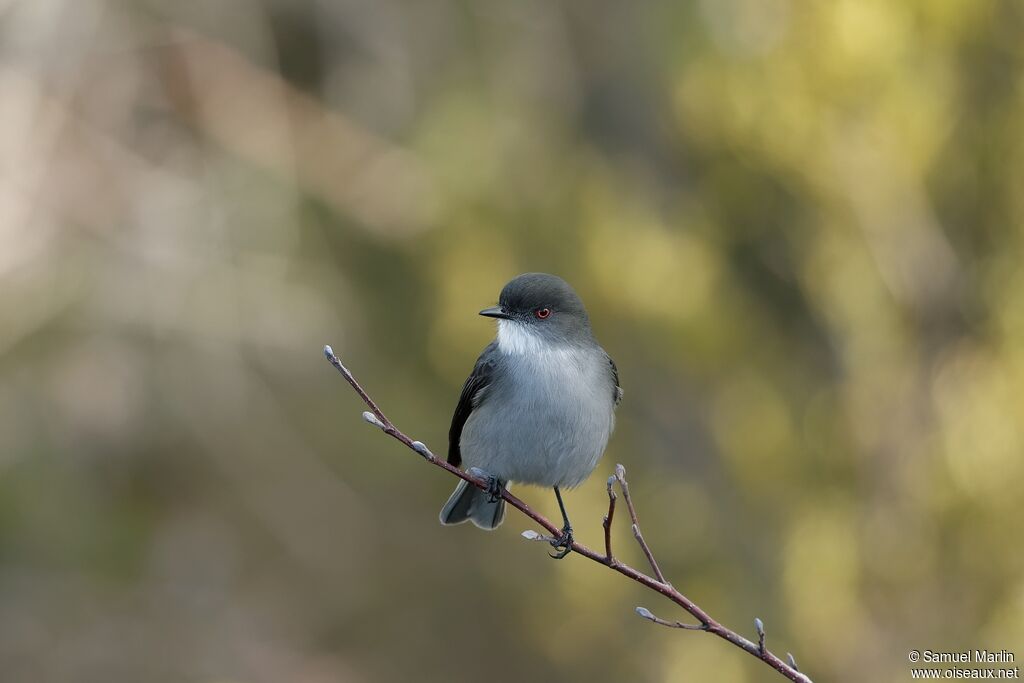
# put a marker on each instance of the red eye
(542, 313)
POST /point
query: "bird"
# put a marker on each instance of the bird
(538, 407)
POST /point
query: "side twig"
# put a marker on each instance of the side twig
(657, 583)
(620, 476)
(607, 523)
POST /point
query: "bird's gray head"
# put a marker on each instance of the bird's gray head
(536, 311)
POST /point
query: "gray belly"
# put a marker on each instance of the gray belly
(548, 423)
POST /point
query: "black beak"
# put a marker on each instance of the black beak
(495, 312)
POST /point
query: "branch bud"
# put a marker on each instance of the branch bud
(372, 419)
(422, 449)
(645, 613)
(759, 625)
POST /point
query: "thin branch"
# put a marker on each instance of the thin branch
(607, 523)
(620, 476)
(659, 585)
(646, 614)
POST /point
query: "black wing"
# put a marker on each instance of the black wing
(617, 391)
(478, 380)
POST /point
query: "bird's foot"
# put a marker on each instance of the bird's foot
(494, 489)
(495, 486)
(563, 544)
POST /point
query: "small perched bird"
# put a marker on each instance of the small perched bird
(538, 407)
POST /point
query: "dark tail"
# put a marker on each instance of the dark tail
(469, 502)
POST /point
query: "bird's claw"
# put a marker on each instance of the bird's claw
(563, 542)
(495, 486)
(494, 489)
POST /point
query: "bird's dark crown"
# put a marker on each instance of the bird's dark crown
(532, 291)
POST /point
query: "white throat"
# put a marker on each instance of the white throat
(516, 338)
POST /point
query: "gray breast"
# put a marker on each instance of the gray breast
(545, 419)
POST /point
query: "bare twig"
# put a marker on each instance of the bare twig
(658, 584)
(607, 523)
(620, 476)
(646, 614)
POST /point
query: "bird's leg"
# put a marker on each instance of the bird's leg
(563, 542)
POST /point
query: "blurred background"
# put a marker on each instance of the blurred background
(798, 230)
